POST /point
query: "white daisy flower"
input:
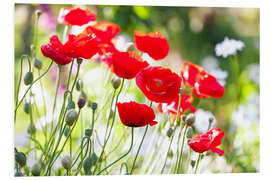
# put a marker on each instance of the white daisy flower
(228, 47)
(254, 73)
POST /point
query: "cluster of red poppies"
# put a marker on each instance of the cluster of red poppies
(157, 83)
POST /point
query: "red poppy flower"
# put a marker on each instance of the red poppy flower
(75, 16)
(127, 64)
(152, 43)
(81, 46)
(208, 141)
(133, 114)
(104, 30)
(54, 51)
(172, 107)
(159, 84)
(203, 84)
(106, 52)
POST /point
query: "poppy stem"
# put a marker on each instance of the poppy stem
(133, 165)
(131, 145)
(197, 164)
(57, 87)
(181, 152)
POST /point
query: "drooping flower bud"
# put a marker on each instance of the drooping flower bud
(26, 107)
(88, 132)
(81, 103)
(189, 133)
(94, 106)
(169, 132)
(94, 159)
(66, 162)
(71, 117)
(38, 13)
(79, 85)
(170, 154)
(20, 158)
(89, 103)
(193, 163)
(28, 78)
(36, 169)
(18, 174)
(116, 82)
(190, 119)
(66, 132)
(31, 129)
(87, 165)
(71, 105)
(37, 63)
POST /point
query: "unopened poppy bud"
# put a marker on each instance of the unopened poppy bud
(71, 117)
(130, 47)
(66, 132)
(79, 85)
(36, 169)
(37, 63)
(169, 132)
(94, 106)
(189, 133)
(190, 120)
(88, 132)
(211, 120)
(26, 107)
(184, 118)
(116, 83)
(79, 60)
(71, 105)
(38, 13)
(170, 154)
(87, 165)
(28, 78)
(94, 159)
(18, 174)
(193, 163)
(31, 129)
(20, 158)
(66, 162)
(81, 103)
(89, 103)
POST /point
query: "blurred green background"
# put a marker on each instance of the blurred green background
(192, 33)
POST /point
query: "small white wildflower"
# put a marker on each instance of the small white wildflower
(228, 47)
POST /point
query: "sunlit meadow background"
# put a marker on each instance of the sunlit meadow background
(192, 33)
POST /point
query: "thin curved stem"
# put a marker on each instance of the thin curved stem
(182, 147)
(32, 85)
(133, 165)
(131, 144)
(162, 170)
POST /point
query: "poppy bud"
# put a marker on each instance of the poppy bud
(94, 106)
(193, 163)
(20, 158)
(18, 174)
(183, 118)
(38, 13)
(79, 85)
(130, 47)
(169, 132)
(189, 133)
(87, 165)
(211, 120)
(116, 82)
(26, 107)
(89, 103)
(88, 132)
(36, 169)
(190, 120)
(81, 103)
(28, 78)
(31, 129)
(79, 60)
(71, 105)
(94, 159)
(66, 132)
(66, 162)
(170, 154)
(71, 117)
(37, 63)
